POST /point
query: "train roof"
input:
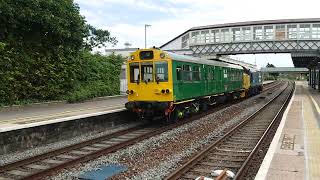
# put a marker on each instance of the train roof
(201, 61)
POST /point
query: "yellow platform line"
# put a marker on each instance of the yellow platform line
(34, 118)
(312, 133)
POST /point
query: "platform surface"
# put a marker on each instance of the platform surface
(295, 150)
(51, 112)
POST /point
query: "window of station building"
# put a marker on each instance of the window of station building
(292, 31)
(195, 37)
(147, 71)
(316, 31)
(134, 72)
(161, 71)
(246, 31)
(205, 36)
(304, 31)
(280, 32)
(196, 73)
(216, 35)
(236, 34)
(225, 35)
(185, 40)
(268, 32)
(257, 33)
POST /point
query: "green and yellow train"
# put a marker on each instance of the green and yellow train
(165, 83)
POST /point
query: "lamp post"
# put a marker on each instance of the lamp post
(145, 34)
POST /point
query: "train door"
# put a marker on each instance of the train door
(219, 83)
(213, 79)
(205, 79)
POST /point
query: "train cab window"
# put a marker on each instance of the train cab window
(147, 72)
(161, 71)
(179, 73)
(134, 72)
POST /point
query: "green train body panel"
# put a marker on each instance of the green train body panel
(213, 80)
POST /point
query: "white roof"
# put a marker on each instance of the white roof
(201, 61)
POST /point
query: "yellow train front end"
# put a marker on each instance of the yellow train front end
(150, 86)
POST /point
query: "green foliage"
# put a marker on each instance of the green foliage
(98, 38)
(41, 50)
(99, 76)
(275, 75)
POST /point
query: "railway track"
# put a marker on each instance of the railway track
(234, 150)
(49, 163)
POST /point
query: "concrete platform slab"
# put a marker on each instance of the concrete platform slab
(294, 151)
(36, 115)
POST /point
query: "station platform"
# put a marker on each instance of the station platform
(295, 150)
(12, 118)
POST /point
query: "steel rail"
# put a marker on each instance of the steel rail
(277, 116)
(195, 159)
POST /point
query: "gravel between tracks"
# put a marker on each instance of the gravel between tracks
(9, 158)
(155, 157)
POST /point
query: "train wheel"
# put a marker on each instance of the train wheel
(177, 114)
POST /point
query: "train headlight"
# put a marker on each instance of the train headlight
(163, 91)
(129, 91)
(167, 90)
(132, 57)
(162, 55)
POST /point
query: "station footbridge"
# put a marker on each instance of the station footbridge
(299, 37)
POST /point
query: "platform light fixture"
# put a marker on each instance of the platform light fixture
(145, 34)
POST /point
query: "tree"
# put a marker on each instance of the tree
(275, 75)
(41, 44)
(98, 38)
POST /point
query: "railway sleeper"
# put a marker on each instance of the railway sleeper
(244, 139)
(250, 134)
(190, 176)
(254, 130)
(221, 164)
(207, 171)
(226, 158)
(236, 147)
(233, 154)
(236, 143)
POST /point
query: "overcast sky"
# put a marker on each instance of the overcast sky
(125, 19)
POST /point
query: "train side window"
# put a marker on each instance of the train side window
(134, 72)
(187, 72)
(225, 74)
(196, 73)
(179, 73)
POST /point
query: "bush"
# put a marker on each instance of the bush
(42, 54)
(98, 76)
